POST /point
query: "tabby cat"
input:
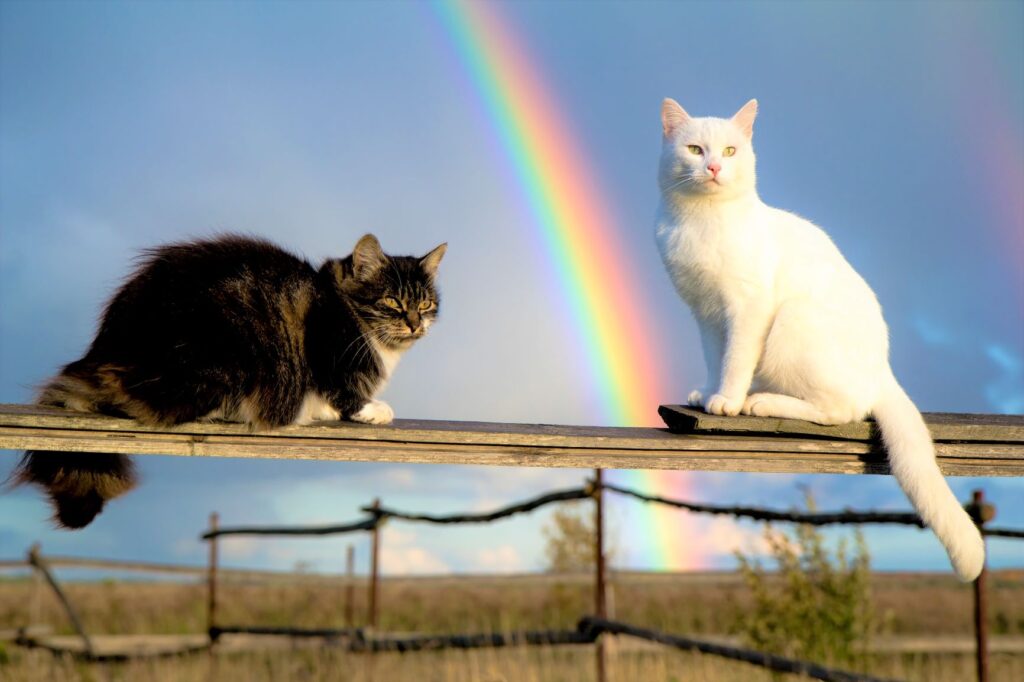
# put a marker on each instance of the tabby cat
(236, 328)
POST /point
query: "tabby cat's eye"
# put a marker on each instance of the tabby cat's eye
(426, 305)
(729, 151)
(695, 149)
(392, 302)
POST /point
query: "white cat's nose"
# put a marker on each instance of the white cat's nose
(714, 167)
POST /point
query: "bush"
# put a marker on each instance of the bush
(570, 540)
(816, 606)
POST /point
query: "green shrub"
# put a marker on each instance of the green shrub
(816, 605)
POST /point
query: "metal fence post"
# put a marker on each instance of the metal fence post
(375, 567)
(982, 513)
(211, 582)
(350, 591)
(599, 582)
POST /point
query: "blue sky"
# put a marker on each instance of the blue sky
(899, 128)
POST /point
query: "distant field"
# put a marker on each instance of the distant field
(704, 603)
(695, 604)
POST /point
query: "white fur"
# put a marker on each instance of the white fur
(378, 411)
(374, 412)
(315, 407)
(788, 328)
(242, 413)
(389, 358)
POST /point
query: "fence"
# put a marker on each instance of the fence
(594, 489)
(969, 445)
(589, 628)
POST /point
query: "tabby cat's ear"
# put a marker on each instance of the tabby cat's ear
(430, 262)
(673, 117)
(744, 118)
(367, 257)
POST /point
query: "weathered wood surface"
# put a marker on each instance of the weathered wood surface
(119, 648)
(441, 442)
(233, 643)
(944, 426)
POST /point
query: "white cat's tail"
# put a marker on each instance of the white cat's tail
(912, 460)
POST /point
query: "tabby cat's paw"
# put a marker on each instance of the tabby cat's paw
(695, 399)
(374, 412)
(720, 404)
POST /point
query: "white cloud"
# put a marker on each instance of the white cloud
(238, 548)
(400, 554)
(724, 537)
(500, 559)
(1005, 393)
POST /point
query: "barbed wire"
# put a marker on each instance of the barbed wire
(1003, 532)
(380, 514)
(365, 524)
(486, 517)
(760, 514)
(758, 658)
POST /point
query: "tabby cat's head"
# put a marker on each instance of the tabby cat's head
(707, 157)
(394, 297)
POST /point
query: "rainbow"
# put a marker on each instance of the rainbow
(580, 238)
(570, 212)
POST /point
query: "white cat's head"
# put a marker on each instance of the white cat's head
(705, 157)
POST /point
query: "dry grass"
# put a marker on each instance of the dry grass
(541, 664)
(689, 604)
(685, 603)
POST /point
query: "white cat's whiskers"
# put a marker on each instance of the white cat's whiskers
(683, 180)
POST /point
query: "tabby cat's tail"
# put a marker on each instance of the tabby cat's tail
(78, 483)
(912, 460)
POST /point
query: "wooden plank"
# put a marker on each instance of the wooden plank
(29, 419)
(944, 426)
(14, 634)
(28, 427)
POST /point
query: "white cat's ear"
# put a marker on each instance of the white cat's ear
(673, 116)
(430, 262)
(367, 257)
(744, 118)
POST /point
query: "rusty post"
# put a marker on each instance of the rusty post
(599, 582)
(350, 588)
(982, 513)
(211, 582)
(37, 562)
(375, 567)
(35, 601)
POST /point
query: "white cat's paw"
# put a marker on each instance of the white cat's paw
(374, 412)
(723, 405)
(756, 405)
(695, 399)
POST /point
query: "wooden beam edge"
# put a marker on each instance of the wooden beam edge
(514, 455)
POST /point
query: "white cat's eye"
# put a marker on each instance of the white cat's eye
(426, 305)
(695, 149)
(392, 302)
(729, 151)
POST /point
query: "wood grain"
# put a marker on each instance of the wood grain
(756, 445)
(944, 426)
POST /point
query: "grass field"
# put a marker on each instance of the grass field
(691, 604)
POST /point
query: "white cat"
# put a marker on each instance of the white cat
(788, 328)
